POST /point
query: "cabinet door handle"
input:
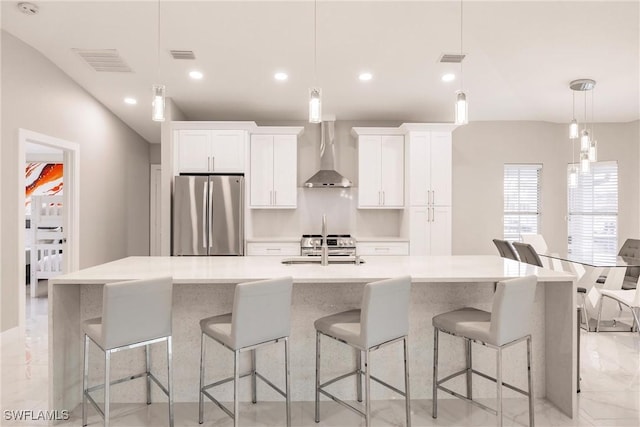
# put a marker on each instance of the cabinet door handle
(275, 197)
(213, 163)
(433, 214)
(383, 199)
(273, 249)
(379, 198)
(428, 215)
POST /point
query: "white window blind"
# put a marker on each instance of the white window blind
(593, 214)
(521, 200)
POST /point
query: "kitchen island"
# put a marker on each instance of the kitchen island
(204, 286)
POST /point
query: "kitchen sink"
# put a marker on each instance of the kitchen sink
(316, 260)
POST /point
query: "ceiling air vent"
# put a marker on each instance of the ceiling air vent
(182, 54)
(104, 60)
(455, 58)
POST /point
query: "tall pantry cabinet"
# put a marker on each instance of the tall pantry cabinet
(429, 173)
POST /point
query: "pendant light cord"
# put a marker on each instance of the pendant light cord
(315, 42)
(158, 51)
(461, 22)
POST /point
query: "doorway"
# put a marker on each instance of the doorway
(70, 202)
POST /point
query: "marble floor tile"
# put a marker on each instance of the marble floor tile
(610, 394)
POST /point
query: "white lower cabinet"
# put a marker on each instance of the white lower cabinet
(382, 248)
(273, 248)
(430, 230)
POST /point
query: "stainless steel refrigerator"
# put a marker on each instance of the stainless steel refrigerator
(208, 215)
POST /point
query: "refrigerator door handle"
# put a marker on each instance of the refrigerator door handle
(211, 214)
(204, 213)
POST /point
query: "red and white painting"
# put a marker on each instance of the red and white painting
(42, 179)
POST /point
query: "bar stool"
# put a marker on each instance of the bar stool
(383, 320)
(506, 325)
(135, 313)
(261, 316)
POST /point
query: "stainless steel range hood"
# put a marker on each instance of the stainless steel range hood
(327, 176)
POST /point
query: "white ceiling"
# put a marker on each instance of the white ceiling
(521, 56)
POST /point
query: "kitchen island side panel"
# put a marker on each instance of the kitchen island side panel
(193, 302)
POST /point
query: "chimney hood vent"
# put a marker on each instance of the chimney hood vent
(327, 176)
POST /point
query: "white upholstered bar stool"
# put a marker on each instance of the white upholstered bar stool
(382, 320)
(506, 325)
(135, 313)
(261, 316)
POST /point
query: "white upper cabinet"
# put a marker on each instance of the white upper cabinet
(430, 168)
(381, 171)
(273, 178)
(430, 230)
(215, 151)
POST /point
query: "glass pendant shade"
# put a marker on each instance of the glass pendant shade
(585, 140)
(593, 151)
(573, 129)
(462, 117)
(585, 164)
(573, 177)
(315, 105)
(158, 103)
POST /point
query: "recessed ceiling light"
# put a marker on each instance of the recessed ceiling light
(365, 77)
(196, 75)
(449, 77)
(280, 76)
(130, 101)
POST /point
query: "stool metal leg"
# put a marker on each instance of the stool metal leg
(467, 345)
(578, 315)
(85, 380)
(406, 381)
(359, 374)
(170, 379)
(530, 379)
(317, 376)
(434, 412)
(499, 386)
(236, 388)
(599, 313)
(147, 368)
(254, 396)
(107, 385)
(200, 395)
(287, 381)
(367, 386)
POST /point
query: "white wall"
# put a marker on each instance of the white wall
(114, 171)
(480, 151)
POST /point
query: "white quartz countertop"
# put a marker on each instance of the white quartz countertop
(382, 239)
(194, 270)
(274, 239)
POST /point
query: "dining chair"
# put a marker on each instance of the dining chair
(505, 249)
(630, 248)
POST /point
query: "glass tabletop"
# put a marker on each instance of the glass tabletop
(619, 261)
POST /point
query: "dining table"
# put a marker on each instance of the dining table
(588, 271)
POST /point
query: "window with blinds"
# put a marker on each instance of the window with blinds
(521, 200)
(593, 214)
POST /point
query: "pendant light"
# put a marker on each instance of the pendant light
(158, 90)
(315, 93)
(588, 146)
(573, 126)
(593, 145)
(461, 107)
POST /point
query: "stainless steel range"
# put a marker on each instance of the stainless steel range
(338, 244)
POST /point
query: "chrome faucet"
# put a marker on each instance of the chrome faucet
(324, 251)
